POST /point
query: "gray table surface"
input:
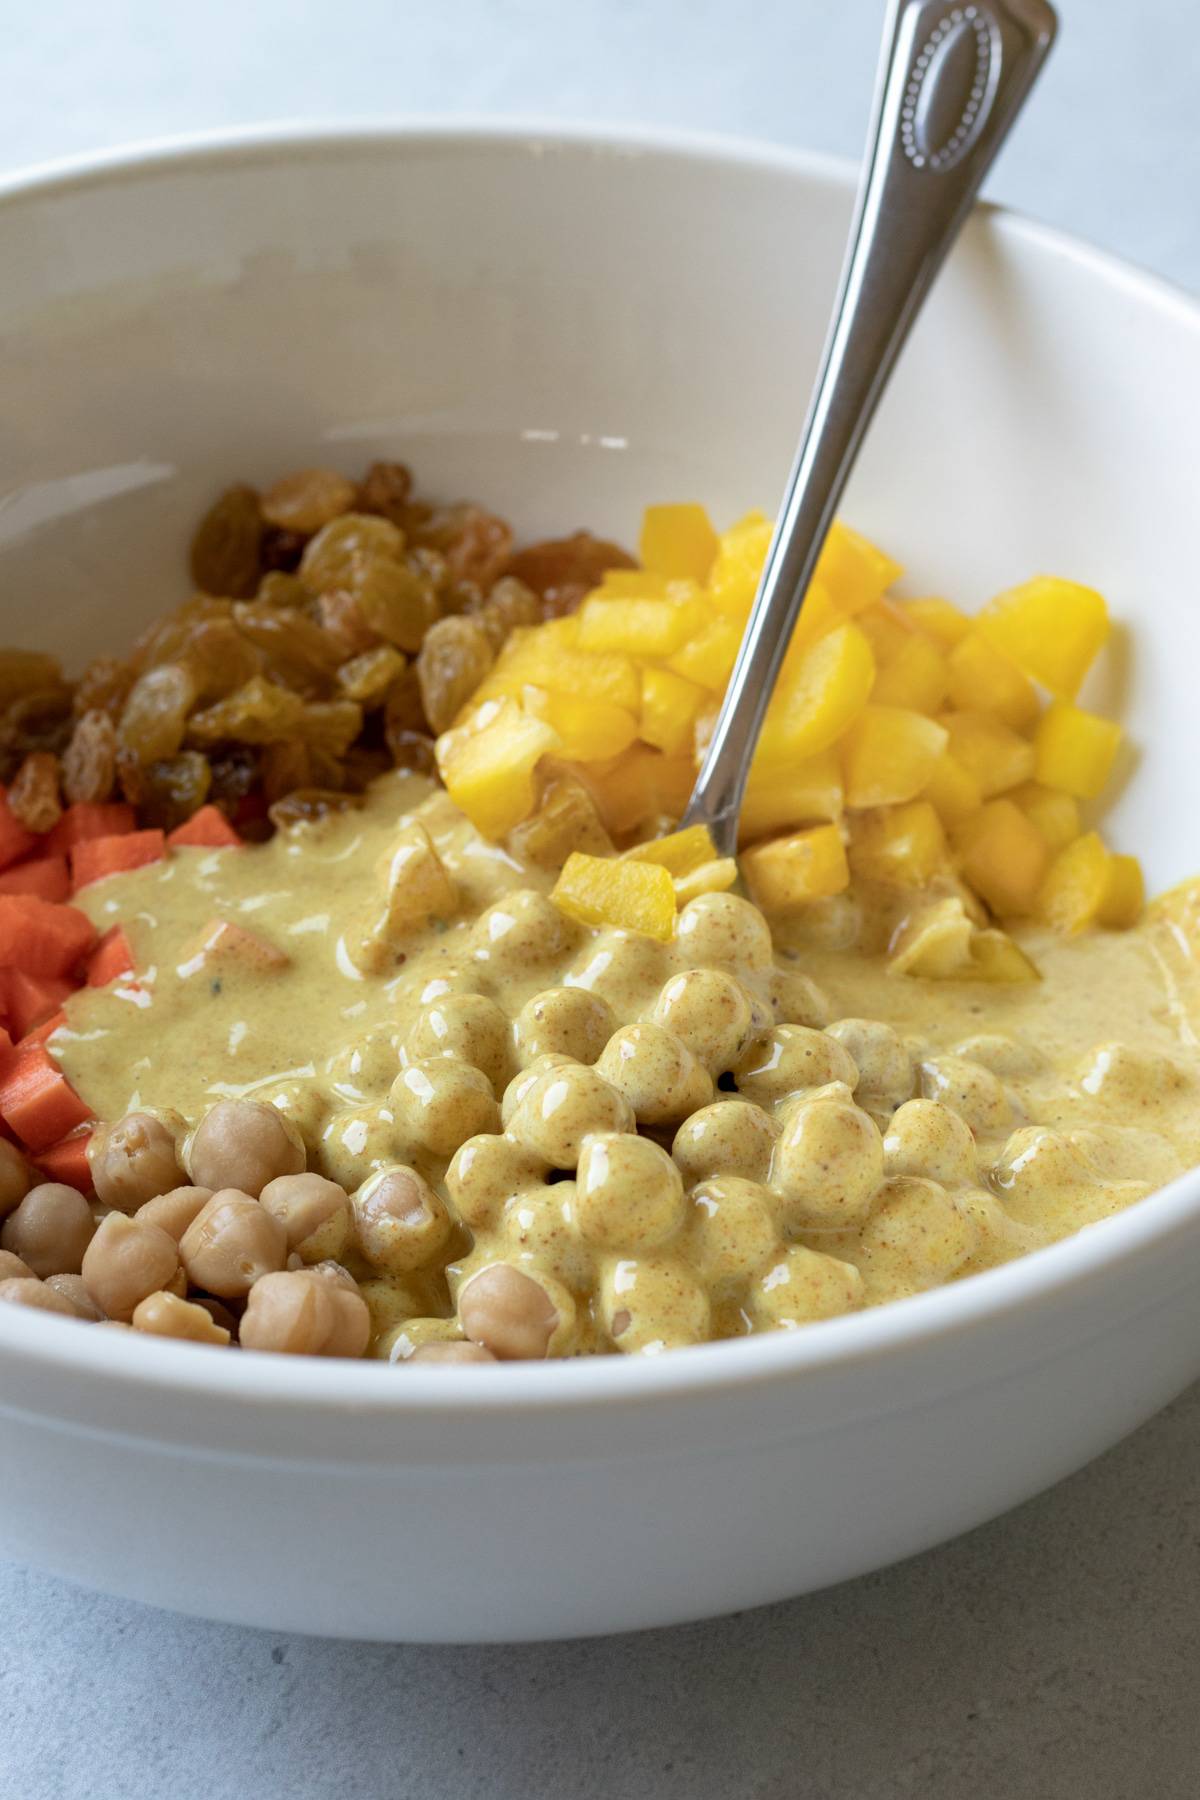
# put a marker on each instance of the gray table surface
(1049, 1655)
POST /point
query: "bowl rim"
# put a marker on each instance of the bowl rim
(370, 1388)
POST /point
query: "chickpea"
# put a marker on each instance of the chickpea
(723, 931)
(359, 1070)
(29, 1291)
(13, 1269)
(828, 1165)
(440, 1104)
(798, 999)
(915, 1238)
(568, 1021)
(656, 1072)
(508, 1312)
(1008, 1057)
(304, 1106)
(242, 1144)
(629, 1194)
(468, 1027)
(732, 1137)
(451, 1351)
(885, 1070)
(290, 1312)
(522, 931)
(73, 1288)
(230, 1243)
(399, 1342)
(652, 1303)
(521, 1083)
(351, 1317)
(132, 1161)
(621, 968)
(127, 1260)
(400, 1223)
(1037, 1165)
(16, 1177)
(1125, 1078)
(731, 1229)
(1000, 1235)
(926, 1138)
(390, 1302)
(357, 1143)
(562, 1107)
(789, 1059)
(969, 1090)
(710, 1012)
(803, 1287)
(174, 1211)
(314, 1213)
(540, 1227)
(485, 1173)
(50, 1229)
(167, 1315)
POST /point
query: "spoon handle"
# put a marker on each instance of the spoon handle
(952, 79)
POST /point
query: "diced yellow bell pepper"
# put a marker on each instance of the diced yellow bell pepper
(778, 796)
(669, 708)
(888, 755)
(903, 846)
(1075, 750)
(817, 699)
(680, 852)
(1051, 628)
(1076, 885)
(555, 662)
(941, 619)
(994, 957)
(952, 790)
(487, 764)
(640, 786)
(629, 895)
(821, 613)
(888, 629)
(1056, 815)
(715, 877)
(787, 873)
(856, 573)
(1124, 893)
(989, 750)
(708, 656)
(590, 730)
(916, 676)
(1004, 857)
(984, 679)
(678, 540)
(740, 557)
(633, 584)
(637, 627)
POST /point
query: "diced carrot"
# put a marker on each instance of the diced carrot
(67, 1161)
(111, 957)
(41, 937)
(28, 1000)
(223, 941)
(6, 1047)
(42, 1034)
(96, 858)
(88, 819)
(207, 829)
(37, 1100)
(15, 840)
(45, 876)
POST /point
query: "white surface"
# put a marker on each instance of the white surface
(1050, 1653)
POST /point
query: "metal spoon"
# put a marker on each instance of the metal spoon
(951, 82)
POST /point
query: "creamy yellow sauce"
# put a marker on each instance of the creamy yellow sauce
(1080, 1093)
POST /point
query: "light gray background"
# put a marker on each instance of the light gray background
(1051, 1655)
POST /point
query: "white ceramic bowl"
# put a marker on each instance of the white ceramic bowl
(568, 325)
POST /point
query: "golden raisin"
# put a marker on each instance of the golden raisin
(385, 489)
(453, 660)
(307, 500)
(562, 570)
(225, 549)
(33, 796)
(89, 763)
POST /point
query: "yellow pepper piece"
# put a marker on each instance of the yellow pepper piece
(1124, 893)
(888, 630)
(941, 619)
(817, 699)
(953, 792)
(741, 554)
(487, 764)
(798, 794)
(994, 957)
(632, 896)
(984, 679)
(715, 877)
(540, 656)
(1075, 750)
(633, 584)
(856, 573)
(1051, 628)
(708, 656)
(888, 755)
(678, 540)
(787, 873)
(670, 705)
(590, 730)
(1004, 857)
(1076, 885)
(989, 750)
(916, 676)
(640, 786)
(1056, 815)
(680, 852)
(903, 846)
(637, 627)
